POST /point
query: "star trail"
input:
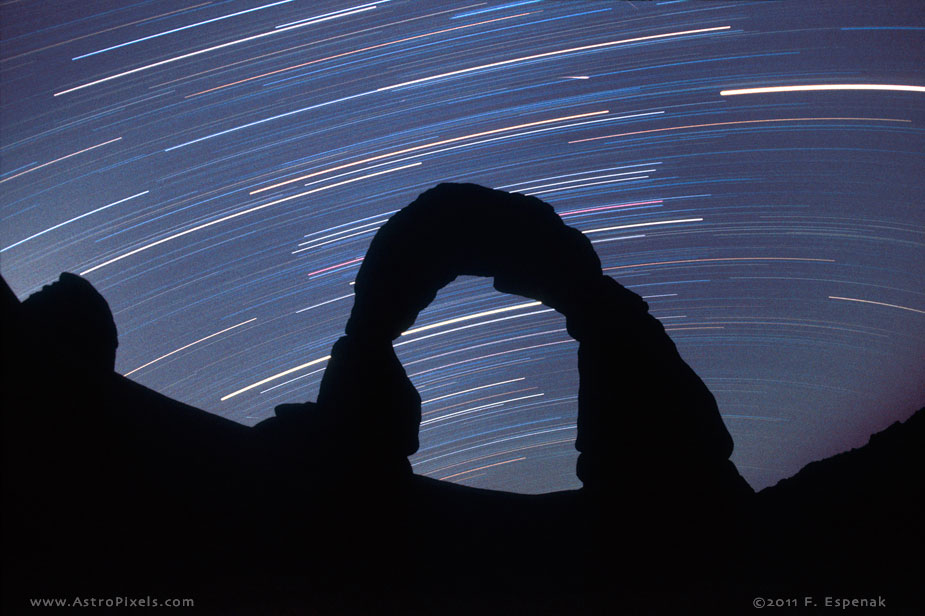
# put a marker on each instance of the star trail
(217, 170)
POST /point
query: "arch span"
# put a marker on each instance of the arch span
(642, 412)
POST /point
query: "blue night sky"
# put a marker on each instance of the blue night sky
(217, 170)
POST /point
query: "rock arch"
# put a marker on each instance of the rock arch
(642, 411)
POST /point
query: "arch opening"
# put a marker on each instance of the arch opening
(498, 380)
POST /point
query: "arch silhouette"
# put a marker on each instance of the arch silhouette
(626, 413)
(466, 229)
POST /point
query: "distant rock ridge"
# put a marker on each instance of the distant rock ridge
(884, 455)
(854, 520)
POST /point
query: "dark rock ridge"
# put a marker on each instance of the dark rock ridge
(852, 522)
(111, 489)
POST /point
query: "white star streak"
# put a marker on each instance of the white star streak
(497, 441)
(569, 175)
(466, 391)
(428, 145)
(737, 122)
(456, 329)
(182, 348)
(867, 301)
(481, 468)
(200, 52)
(427, 422)
(99, 145)
(614, 239)
(336, 239)
(352, 8)
(187, 27)
(574, 186)
(235, 215)
(475, 346)
(644, 224)
(469, 317)
(330, 301)
(278, 375)
(549, 54)
(284, 383)
(821, 87)
(324, 237)
(66, 222)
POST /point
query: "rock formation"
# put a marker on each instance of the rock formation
(112, 489)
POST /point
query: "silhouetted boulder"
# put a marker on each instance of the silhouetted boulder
(72, 318)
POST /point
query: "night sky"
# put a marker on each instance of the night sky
(218, 169)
